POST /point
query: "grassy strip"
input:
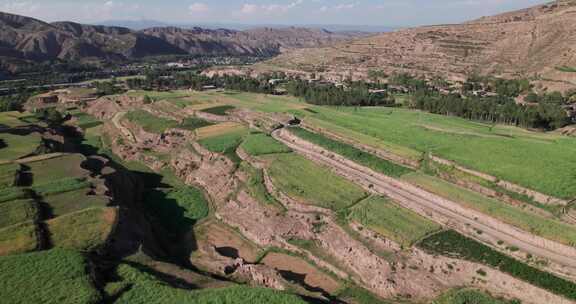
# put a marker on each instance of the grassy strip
(61, 186)
(20, 238)
(392, 221)
(453, 244)
(219, 110)
(149, 122)
(262, 144)
(348, 151)
(256, 188)
(317, 185)
(96, 225)
(541, 226)
(52, 277)
(469, 296)
(10, 194)
(193, 123)
(8, 174)
(15, 212)
(145, 288)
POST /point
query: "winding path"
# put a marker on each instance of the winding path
(433, 206)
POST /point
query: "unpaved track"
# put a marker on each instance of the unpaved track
(419, 200)
(116, 120)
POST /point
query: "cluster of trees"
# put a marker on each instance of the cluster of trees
(553, 97)
(196, 81)
(502, 87)
(13, 102)
(355, 94)
(104, 88)
(497, 109)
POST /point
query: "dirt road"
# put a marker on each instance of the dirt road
(116, 120)
(432, 206)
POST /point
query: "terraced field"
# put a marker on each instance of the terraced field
(392, 221)
(262, 144)
(546, 227)
(55, 276)
(515, 154)
(301, 178)
(16, 146)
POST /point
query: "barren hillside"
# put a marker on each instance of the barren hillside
(534, 42)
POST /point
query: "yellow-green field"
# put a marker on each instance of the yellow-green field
(311, 183)
(392, 221)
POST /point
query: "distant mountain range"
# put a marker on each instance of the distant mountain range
(144, 24)
(25, 40)
(537, 42)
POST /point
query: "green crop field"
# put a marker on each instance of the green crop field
(18, 211)
(96, 224)
(256, 188)
(86, 121)
(348, 151)
(219, 110)
(149, 122)
(392, 221)
(515, 153)
(177, 209)
(541, 161)
(228, 140)
(11, 119)
(10, 194)
(14, 146)
(19, 238)
(453, 244)
(545, 227)
(57, 168)
(51, 277)
(145, 288)
(317, 185)
(262, 144)
(8, 173)
(469, 296)
(72, 201)
(193, 123)
(61, 186)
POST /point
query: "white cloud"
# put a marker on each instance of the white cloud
(339, 7)
(20, 7)
(198, 7)
(250, 9)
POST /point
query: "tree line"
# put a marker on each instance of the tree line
(495, 109)
(354, 94)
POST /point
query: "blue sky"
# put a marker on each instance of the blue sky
(358, 12)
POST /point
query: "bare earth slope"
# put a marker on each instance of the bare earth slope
(537, 41)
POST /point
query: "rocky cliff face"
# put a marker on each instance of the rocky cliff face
(23, 38)
(538, 41)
